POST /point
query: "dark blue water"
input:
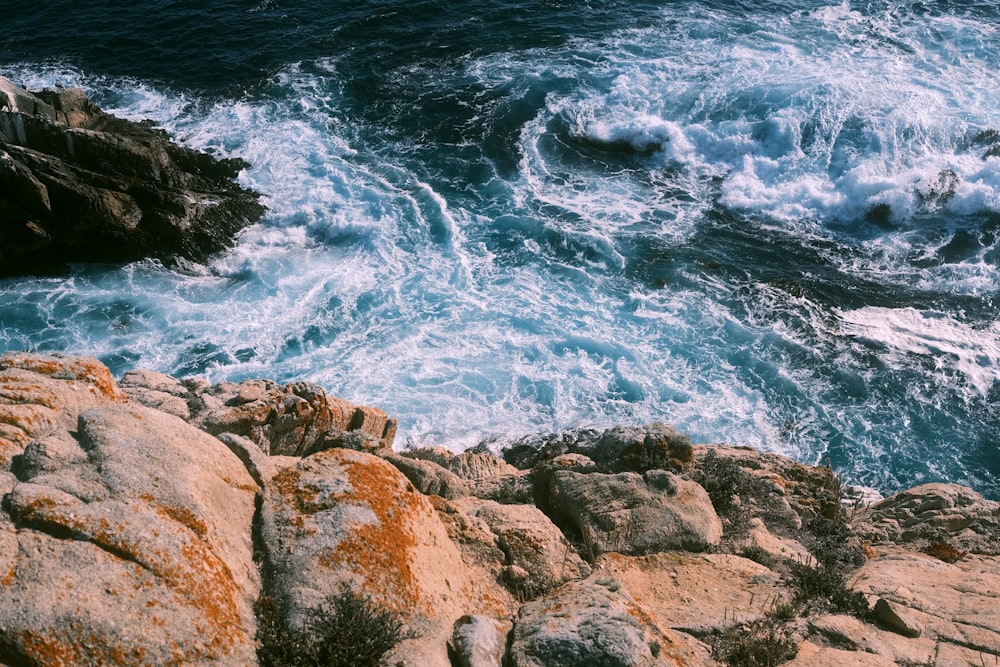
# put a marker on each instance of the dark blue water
(772, 224)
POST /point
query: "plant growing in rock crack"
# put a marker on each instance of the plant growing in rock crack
(730, 488)
(344, 631)
(760, 643)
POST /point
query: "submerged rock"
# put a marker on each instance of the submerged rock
(80, 185)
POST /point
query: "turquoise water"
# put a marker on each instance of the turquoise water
(770, 224)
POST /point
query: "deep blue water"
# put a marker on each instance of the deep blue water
(772, 224)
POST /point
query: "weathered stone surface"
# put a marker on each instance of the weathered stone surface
(697, 593)
(596, 622)
(136, 549)
(283, 420)
(635, 514)
(41, 394)
(341, 518)
(934, 513)
(78, 185)
(537, 556)
(848, 633)
(813, 655)
(480, 641)
(157, 391)
(758, 536)
(428, 477)
(953, 603)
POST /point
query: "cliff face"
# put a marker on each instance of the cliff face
(154, 521)
(79, 185)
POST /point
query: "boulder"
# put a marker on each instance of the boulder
(537, 557)
(428, 477)
(698, 593)
(135, 548)
(342, 519)
(596, 622)
(41, 394)
(479, 641)
(79, 185)
(634, 514)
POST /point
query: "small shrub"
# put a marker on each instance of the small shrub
(826, 587)
(945, 551)
(344, 631)
(758, 555)
(762, 643)
(724, 480)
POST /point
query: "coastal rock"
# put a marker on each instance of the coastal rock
(428, 477)
(537, 556)
(697, 593)
(635, 514)
(596, 622)
(814, 655)
(933, 513)
(951, 603)
(41, 394)
(283, 420)
(79, 185)
(134, 550)
(480, 641)
(342, 519)
(847, 632)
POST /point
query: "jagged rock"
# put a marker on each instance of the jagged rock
(428, 477)
(479, 641)
(537, 556)
(341, 518)
(933, 513)
(283, 420)
(42, 394)
(79, 185)
(596, 622)
(758, 536)
(157, 391)
(952, 603)
(635, 514)
(135, 549)
(897, 619)
(697, 593)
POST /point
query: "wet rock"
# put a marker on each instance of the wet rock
(79, 185)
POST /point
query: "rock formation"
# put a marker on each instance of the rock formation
(156, 521)
(79, 185)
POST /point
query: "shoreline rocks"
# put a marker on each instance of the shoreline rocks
(146, 521)
(80, 185)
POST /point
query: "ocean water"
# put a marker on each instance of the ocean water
(773, 224)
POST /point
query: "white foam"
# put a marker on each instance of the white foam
(939, 338)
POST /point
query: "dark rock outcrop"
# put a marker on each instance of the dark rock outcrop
(80, 185)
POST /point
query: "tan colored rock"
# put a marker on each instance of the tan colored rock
(428, 477)
(934, 512)
(697, 593)
(536, 552)
(159, 568)
(596, 622)
(953, 603)
(635, 514)
(157, 391)
(777, 547)
(341, 518)
(847, 632)
(41, 393)
(813, 655)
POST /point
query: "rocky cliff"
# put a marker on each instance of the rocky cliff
(79, 185)
(157, 521)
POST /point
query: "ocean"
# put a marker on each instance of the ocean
(773, 224)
